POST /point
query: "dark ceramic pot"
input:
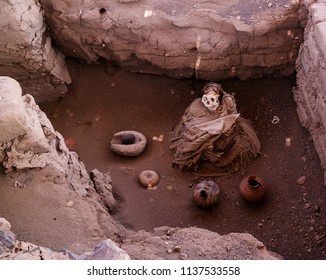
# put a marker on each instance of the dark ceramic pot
(253, 188)
(206, 193)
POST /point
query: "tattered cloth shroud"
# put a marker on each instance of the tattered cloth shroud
(221, 138)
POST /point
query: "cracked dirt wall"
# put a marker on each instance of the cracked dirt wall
(206, 40)
(27, 53)
(203, 39)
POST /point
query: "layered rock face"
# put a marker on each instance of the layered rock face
(26, 51)
(210, 40)
(310, 94)
(29, 141)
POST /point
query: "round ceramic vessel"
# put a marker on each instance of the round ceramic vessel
(206, 193)
(253, 188)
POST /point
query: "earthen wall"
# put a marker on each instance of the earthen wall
(310, 94)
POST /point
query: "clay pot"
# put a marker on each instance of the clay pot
(253, 188)
(128, 143)
(206, 193)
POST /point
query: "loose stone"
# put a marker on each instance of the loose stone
(70, 203)
(128, 138)
(169, 251)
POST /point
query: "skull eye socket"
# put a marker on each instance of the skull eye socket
(212, 99)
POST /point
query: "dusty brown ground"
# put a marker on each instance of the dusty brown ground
(291, 221)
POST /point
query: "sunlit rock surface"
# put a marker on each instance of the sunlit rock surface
(27, 53)
(310, 94)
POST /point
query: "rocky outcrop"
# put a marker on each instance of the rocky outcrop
(29, 141)
(27, 53)
(204, 39)
(195, 244)
(106, 250)
(38, 168)
(310, 93)
(163, 243)
(13, 249)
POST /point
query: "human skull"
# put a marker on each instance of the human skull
(211, 101)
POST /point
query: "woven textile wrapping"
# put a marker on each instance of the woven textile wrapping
(221, 138)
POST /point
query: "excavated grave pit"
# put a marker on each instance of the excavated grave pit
(101, 101)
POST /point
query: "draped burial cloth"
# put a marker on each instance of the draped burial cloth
(222, 138)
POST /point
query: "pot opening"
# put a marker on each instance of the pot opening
(253, 183)
(203, 194)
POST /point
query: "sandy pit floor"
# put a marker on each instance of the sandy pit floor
(101, 102)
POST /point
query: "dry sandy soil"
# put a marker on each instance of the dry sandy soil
(102, 101)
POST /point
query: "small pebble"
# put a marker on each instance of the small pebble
(177, 248)
(4, 224)
(158, 138)
(18, 184)
(301, 180)
(69, 113)
(288, 141)
(184, 256)
(128, 139)
(70, 203)
(317, 208)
